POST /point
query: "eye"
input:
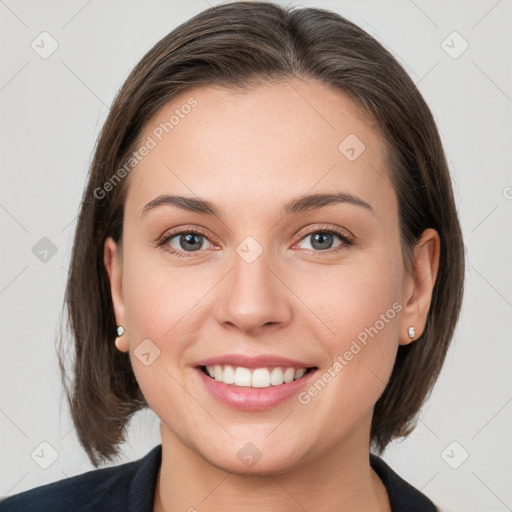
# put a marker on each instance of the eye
(184, 241)
(322, 240)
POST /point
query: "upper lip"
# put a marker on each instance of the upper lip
(259, 361)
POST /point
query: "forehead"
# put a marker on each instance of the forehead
(259, 147)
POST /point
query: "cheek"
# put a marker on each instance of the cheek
(158, 298)
(157, 303)
(359, 306)
(362, 311)
(161, 307)
(353, 298)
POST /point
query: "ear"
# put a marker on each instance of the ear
(113, 263)
(419, 286)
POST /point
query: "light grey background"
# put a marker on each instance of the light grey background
(52, 111)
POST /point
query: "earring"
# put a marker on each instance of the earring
(118, 341)
(412, 332)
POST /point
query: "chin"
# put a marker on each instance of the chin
(257, 458)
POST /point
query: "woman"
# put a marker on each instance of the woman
(268, 255)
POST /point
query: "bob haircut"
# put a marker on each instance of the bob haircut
(239, 45)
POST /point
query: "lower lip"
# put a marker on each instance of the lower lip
(253, 399)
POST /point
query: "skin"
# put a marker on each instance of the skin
(248, 154)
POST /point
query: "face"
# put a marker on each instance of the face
(295, 307)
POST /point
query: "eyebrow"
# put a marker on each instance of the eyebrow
(299, 205)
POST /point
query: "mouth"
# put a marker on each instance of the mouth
(264, 377)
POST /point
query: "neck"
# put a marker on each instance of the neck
(341, 480)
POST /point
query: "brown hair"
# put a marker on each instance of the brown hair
(238, 45)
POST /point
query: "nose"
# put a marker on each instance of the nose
(254, 297)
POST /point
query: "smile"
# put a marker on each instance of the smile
(253, 377)
(253, 389)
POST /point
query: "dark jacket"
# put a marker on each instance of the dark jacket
(130, 487)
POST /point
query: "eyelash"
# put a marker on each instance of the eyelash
(347, 241)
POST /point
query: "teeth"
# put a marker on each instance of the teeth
(300, 373)
(276, 377)
(257, 378)
(228, 377)
(260, 378)
(242, 376)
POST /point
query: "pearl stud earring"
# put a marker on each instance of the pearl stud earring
(118, 341)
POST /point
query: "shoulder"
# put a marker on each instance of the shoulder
(109, 489)
(402, 495)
